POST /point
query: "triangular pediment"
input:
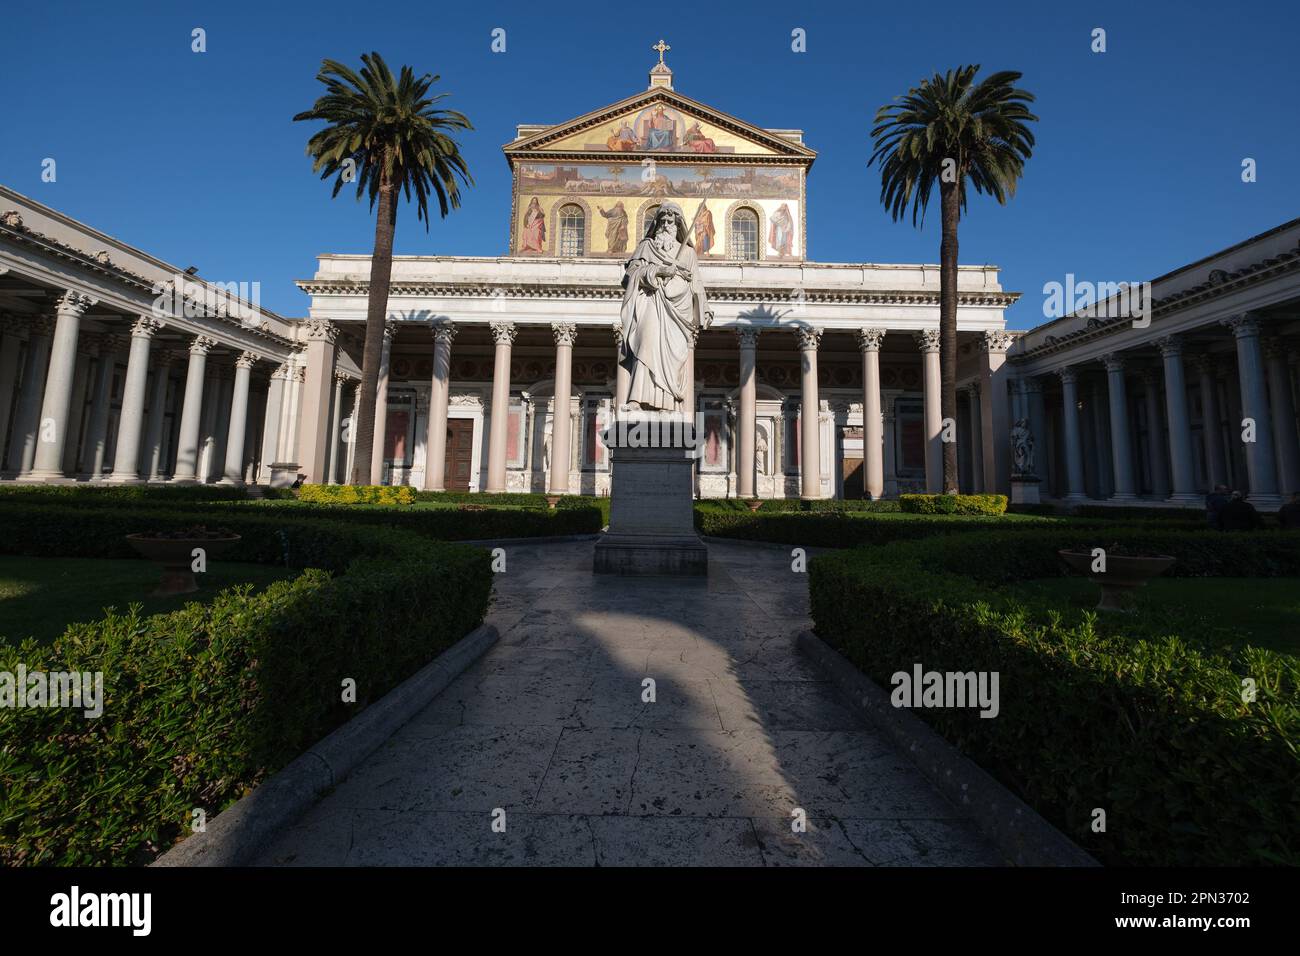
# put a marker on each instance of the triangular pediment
(658, 123)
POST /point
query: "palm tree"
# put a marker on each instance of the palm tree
(385, 134)
(949, 130)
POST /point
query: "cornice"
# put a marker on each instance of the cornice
(1218, 286)
(745, 293)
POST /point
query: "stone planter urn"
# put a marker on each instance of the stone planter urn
(174, 552)
(552, 501)
(1124, 574)
(754, 503)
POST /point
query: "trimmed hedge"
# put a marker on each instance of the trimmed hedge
(953, 504)
(204, 703)
(1130, 512)
(357, 494)
(98, 494)
(818, 506)
(840, 529)
(451, 523)
(1154, 731)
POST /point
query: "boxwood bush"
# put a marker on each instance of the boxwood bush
(98, 494)
(202, 704)
(357, 494)
(1153, 730)
(839, 529)
(953, 504)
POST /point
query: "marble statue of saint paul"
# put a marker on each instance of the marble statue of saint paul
(664, 307)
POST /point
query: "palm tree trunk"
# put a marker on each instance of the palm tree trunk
(381, 274)
(950, 197)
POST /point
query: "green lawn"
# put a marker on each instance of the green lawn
(40, 597)
(1221, 612)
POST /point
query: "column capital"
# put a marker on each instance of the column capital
(341, 378)
(1069, 374)
(566, 333)
(443, 332)
(202, 345)
(1275, 348)
(1243, 324)
(869, 340)
(808, 336)
(996, 340)
(503, 333)
(747, 336)
(1207, 364)
(246, 359)
(1113, 361)
(1170, 346)
(282, 371)
(320, 330)
(74, 303)
(145, 326)
(927, 340)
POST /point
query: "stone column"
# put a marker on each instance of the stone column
(435, 464)
(975, 441)
(747, 417)
(1155, 438)
(381, 407)
(1211, 422)
(335, 431)
(187, 445)
(153, 464)
(53, 424)
(233, 466)
(1261, 458)
(350, 439)
(271, 422)
(873, 438)
(314, 425)
(566, 333)
(10, 351)
(1076, 488)
(810, 480)
(927, 340)
(101, 399)
(995, 428)
(1180, 422)
(1036, 413)
(22, 444)
(76, 411)
(1284, 420)
(503, 335)
(126, 458)
(622, 377)
(1121, 447)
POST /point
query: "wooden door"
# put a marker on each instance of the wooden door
(853, 478)
(460, 453)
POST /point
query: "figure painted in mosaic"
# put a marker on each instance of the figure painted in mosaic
(615, 227)
(696, 142)
(704, 231)
(623, 139)
(663, 304)
(659, 131)
(780, 234)
(533, 236)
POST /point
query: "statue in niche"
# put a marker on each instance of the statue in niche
(1022, 447)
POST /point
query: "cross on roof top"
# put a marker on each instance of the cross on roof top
(663, 48)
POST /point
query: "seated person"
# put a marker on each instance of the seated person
(1239, 515)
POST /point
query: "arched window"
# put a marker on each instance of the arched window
(647, 220)
(573, 231)
(744, 234)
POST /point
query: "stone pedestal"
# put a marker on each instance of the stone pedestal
(283, 474)
(1024, 489)
(651, 514)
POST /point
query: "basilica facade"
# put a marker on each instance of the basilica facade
(813, 379)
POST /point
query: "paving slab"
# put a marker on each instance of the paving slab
(551, 729)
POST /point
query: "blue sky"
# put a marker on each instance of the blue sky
(193, 157)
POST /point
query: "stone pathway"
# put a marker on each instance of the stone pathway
(550, 727)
